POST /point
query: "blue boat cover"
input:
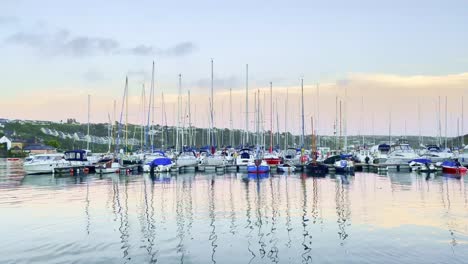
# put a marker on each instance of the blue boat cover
(160, 161)
(424, 161)
(449, 163)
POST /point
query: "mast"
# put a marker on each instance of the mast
(87, 137)
(113, 123)
(277, 123)
(440, 124)
(318, 115)
(445, 121)
(462, 122)
(190, 120)
(302, 109)
(211, 110)
(390, 127)
(152, 109)
(126, 116)
(231, 138)
(119, 130)
(109, 133)
(419, 120)
(246, 138)
(143, 101)
(336, 122)
(345, 122)
(178, 112)
(361, 130)
(163, 119)
(271, 117)
(286, 120)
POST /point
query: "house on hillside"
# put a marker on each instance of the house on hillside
(5, 140)
(39, 149)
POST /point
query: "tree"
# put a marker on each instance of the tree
(53, 143)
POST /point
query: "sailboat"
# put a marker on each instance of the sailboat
(213, 158)
(258, 165)
(271, 158)
(186, 157)
(315, 168)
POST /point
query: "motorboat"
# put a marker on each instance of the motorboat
(296, 156)
(400, 154)
(43, 163)
(345, 165)
(187, 159)
(244, 157)
(158, 161)
(272, 158)
(286, 167)
(379, 153)
(107, 165)
(365, 156)
(79, 157)
(453, 167)
(436, 154)
(422, 165)
(217, 159)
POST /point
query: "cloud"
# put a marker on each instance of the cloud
(142, 50)
(181, 49)
(62, 43)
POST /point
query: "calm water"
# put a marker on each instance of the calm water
(231, 218)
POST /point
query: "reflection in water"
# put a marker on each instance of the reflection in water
(273, 253)
(248, 214)
(307, 239)
(213, 237)
(342, 204)
(197, 218)
(121, 215)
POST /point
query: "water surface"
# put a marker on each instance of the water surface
(232, 218)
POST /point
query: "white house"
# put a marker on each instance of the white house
(7, 141)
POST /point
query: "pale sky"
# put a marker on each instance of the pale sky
(394, 53)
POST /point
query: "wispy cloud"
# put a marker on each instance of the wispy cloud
(180, 49)
(62, 43)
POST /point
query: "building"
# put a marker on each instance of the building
(39, 149)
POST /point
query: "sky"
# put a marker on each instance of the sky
(389, 56)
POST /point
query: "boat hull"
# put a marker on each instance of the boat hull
(258, 169)
(286, 168)
(317, 169)
(454, 170)
(272, 161)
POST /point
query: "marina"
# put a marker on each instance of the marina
(208, 217)
(223, 132)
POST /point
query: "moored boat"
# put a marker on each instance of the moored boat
(286, 167)
(453, 167)
(422, 165)
(258, 166)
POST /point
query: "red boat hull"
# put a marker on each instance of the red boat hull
(273, 161)
(454, 170)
